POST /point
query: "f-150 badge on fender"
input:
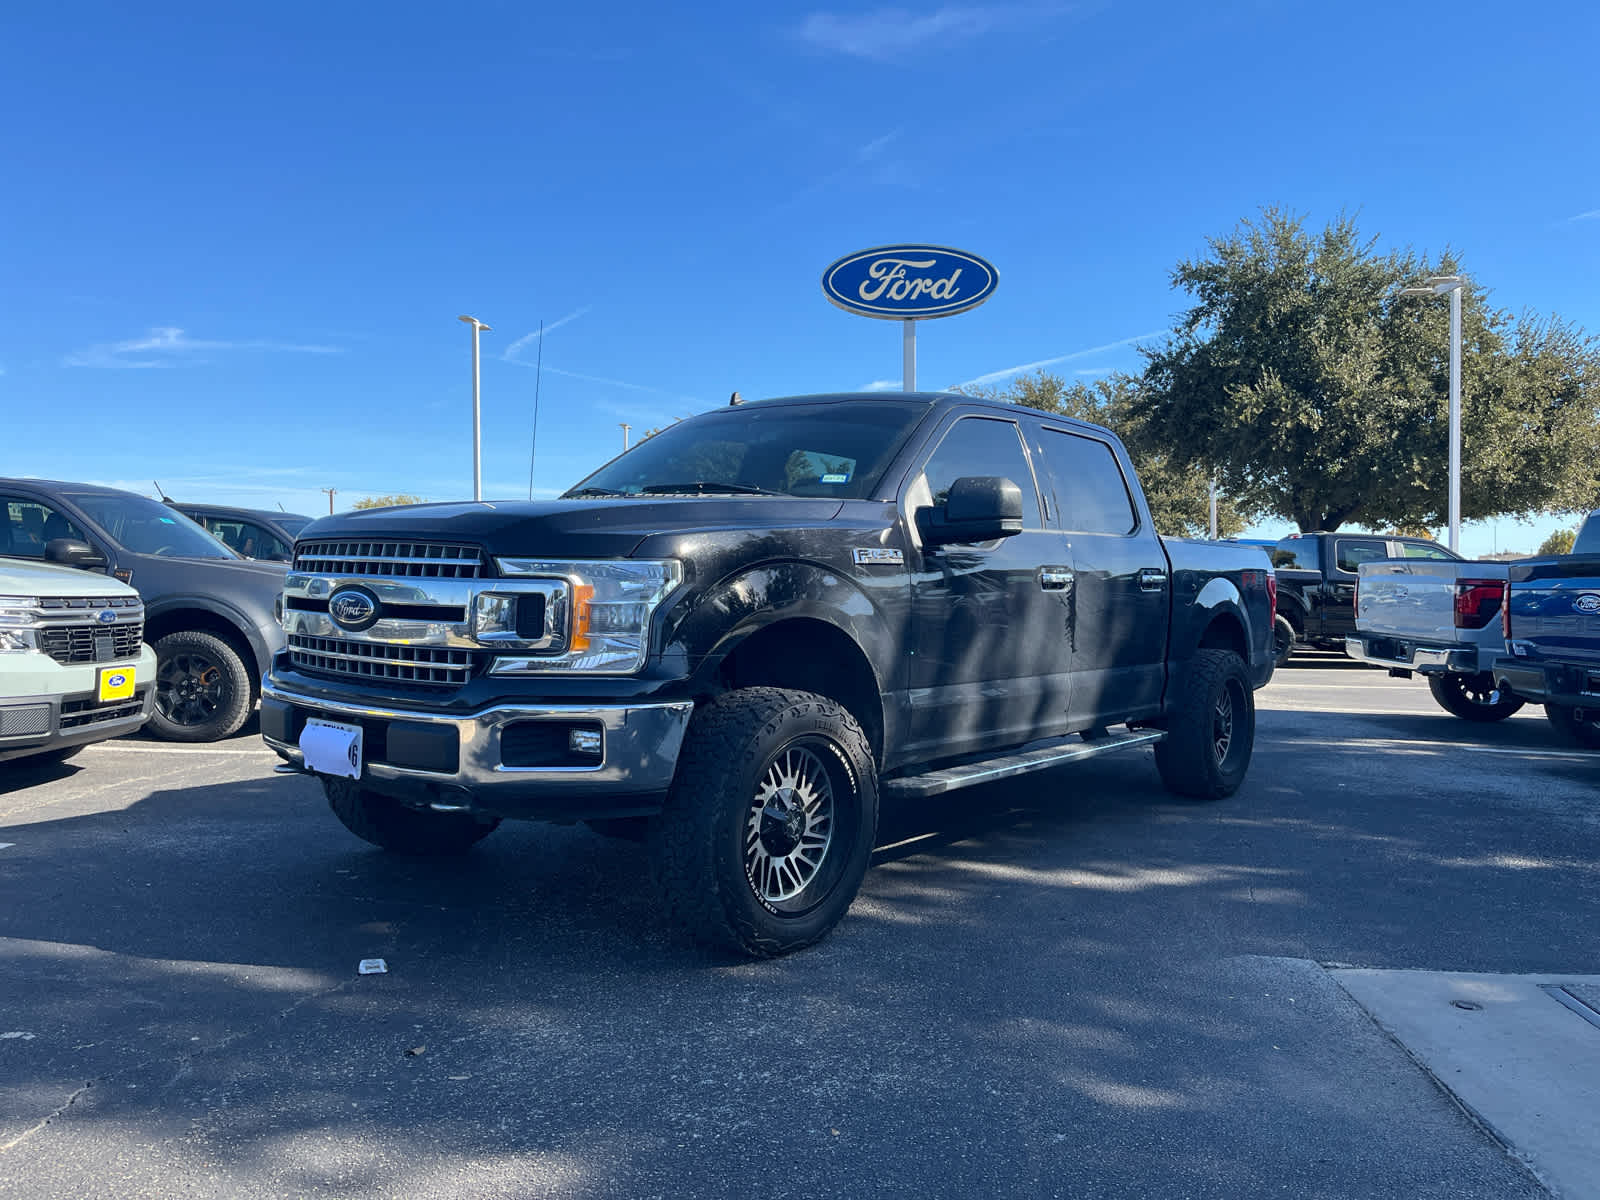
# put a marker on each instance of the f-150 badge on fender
(879, 556)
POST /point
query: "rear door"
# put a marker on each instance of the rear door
(990, 664)
(1342, 574)
(1121, 589)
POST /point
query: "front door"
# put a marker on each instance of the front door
(1122, 592)
(990, 665)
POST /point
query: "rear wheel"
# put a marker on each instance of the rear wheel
(202, 688)
(1212, 732)
(384, 821)
(765, 836)
(1282, 640)
(1472, 697)
(1581, 725)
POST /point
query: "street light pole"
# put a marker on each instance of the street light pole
(477, 440)
(1437, 285)
(625, 429)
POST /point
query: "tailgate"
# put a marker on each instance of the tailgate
(1557, 610)
(1416, 599)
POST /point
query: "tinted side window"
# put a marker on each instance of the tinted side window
(29, 524)
(1089, 485)
(1299, 554)
(983, 446)
(1350, 553)
(1423, 550)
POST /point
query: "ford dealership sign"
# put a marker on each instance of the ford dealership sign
(909, 283)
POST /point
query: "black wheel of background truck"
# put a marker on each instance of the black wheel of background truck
(1471, 696)
(1282, 640)
(1212, 732)
(766, 833)
(1581, 725)
(202, 689)
(384, 821)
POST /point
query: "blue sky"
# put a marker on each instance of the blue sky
(236, 241)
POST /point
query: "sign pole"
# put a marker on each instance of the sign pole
(908, 370)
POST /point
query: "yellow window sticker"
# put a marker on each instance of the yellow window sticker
(116, 683)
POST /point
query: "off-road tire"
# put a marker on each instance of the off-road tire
(1199, 757)
(1282, 641)
(709, 839)
(1580, 725)
(1467, 696)
(219, 672)
(384, 821)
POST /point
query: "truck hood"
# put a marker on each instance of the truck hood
(589, 528)
(24, 577)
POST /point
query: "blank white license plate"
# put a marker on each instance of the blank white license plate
(332, 747)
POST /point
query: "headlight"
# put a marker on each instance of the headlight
(18, 616)
(607, 610)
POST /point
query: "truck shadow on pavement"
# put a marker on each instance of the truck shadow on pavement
(1042, 982)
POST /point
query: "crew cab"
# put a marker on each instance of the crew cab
(1551, 628)
(738, 635)
(208, 613)
(74, 668)
(1317, 575)
(1440, 619)
(248, 532)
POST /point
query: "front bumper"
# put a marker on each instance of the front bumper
(1397, 653)
(1542, 682)
(460, 762)
(48, 707)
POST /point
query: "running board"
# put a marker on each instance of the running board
(990, 770)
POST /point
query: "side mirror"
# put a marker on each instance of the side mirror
(70, 552)
(978, 508)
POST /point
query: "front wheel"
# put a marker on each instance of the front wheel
(1472, 697)
(1212, 731)
(384, 821)
(1282, 640)
(766, 833)
(202, 688)
(1581, 725)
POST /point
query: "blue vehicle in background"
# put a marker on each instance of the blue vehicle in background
(1552, 636)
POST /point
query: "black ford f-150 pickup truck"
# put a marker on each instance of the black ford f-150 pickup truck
(736, 635)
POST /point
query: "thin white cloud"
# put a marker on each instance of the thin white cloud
(881, 385)
(167, 346)
(529, 339)
(1094, 370)
(1024, 368)
(870, 149)
(888, 32)
(1592, 215)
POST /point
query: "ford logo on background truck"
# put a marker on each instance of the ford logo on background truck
(909, 282)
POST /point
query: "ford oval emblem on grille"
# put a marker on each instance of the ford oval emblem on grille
(353, 608)
(105, 616)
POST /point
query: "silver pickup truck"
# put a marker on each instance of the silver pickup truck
(1440, 620)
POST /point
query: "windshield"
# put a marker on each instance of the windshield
(146, 527)
(837, 450)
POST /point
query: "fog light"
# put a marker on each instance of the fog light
(584, 741)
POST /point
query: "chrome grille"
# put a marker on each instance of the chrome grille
(389, 560)
(427, 665)
(92, 643)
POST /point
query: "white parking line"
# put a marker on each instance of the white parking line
(1531, 752)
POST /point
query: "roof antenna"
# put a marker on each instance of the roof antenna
(160, 493)
(281, 508)
(735, 400)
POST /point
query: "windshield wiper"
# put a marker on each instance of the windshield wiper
(701, 487)
(589, 491)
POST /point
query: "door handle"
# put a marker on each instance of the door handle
(1152, 579)
(1055, 579)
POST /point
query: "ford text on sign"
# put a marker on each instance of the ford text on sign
(909, 282)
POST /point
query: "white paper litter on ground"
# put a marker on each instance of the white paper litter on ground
(373, 966)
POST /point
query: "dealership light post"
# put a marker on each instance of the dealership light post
(477, 424)
(1438, 285)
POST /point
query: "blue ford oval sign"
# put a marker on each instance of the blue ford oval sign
(905, 283)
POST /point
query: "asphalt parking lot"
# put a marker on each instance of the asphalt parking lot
(1068, 985)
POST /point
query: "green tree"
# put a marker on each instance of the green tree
(1179, 496)
(1319, 394)
(399, 498)
(1559, 542)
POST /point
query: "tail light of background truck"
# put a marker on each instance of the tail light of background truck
(1477, 601)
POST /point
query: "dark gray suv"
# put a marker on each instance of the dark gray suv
(210, 614)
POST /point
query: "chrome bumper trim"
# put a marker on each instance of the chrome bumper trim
(1421, 658)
